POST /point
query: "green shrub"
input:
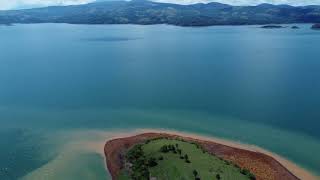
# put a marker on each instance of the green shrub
(195, 173)
(236, 166)
(152, 162)
(164, 149)
(245, 171)
(186, 156)
(252, 176)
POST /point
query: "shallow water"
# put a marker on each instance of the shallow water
(60, 82)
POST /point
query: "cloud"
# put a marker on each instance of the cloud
(15, 4)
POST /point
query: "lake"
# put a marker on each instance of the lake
(63, 86)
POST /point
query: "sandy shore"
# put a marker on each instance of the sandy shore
(292, 167)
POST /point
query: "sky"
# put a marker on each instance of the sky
(18, 4)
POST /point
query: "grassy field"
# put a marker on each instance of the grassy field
(168, 159)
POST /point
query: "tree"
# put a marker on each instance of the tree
(218, 176)
(152, 162)
(179, 151)
(186, 158)
(173, 148)
(245, 171)
(164, 149)
(195, 173)
(135, 153)
(252, 176)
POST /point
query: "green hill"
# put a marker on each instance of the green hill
(147, 12)
(164, 159)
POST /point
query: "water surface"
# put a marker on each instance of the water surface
(258, 86)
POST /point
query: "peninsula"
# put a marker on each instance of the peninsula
(192, 157)
(316, 26)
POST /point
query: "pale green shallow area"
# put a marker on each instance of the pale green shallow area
(78, 157)
(72, 165)
(74, 152)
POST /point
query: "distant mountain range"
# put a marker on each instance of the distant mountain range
(147, 12)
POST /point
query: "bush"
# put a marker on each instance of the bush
(171, 148)
(160, 158)
(195, 173)
(152, 162)
(186, 156)
(179, 151)
(135, 153)
(245, 171)
(164, 149)
(248, 173)
(252, 176)
(139, 164)
(218, 176)
(236, 166)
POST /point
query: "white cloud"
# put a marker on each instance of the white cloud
(13, 4)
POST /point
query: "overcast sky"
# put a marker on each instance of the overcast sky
(14, 4)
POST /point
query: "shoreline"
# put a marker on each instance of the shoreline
(293, 168)
(286, 25)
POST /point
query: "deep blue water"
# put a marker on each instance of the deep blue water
(59, 76)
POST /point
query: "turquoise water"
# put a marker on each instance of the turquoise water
(61, 84)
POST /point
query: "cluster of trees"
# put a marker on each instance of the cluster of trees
(176, 150)
(169, 148)
(197, 177)
(140, 163)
